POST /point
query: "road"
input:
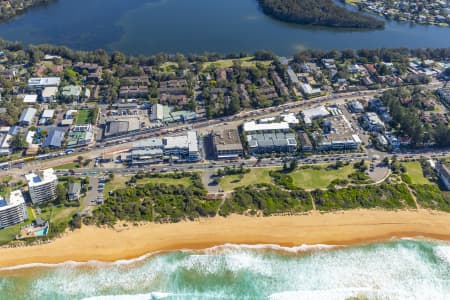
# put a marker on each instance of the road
(124, 143)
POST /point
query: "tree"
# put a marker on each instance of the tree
(317, 12)
(71, 76)
(18, 142)
(118, 58)
(293, 165)
(75, 223)
(442, 135)
(234, 106)
(339, 164)
(61, 193)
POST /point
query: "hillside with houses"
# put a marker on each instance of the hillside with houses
(12, 8)
(420, 12)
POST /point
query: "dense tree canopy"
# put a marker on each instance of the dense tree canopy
(406, 118)
(318, 12)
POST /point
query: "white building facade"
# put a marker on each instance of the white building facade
(12, 211)
(42, 187)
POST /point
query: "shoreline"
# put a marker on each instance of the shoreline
(340, 228)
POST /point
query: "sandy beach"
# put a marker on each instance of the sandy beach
(338, 228)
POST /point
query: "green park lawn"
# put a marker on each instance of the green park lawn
(68, 166)
(119, 182)
(84, 116)
(169, 67)
(310, 179)
(256, 175)
(185, 181)
(227, 63)
(9, 234)
(415, 172)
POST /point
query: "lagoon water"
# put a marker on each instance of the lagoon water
(401, 269)
(196, 26)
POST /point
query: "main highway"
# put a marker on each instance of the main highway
(124, 143)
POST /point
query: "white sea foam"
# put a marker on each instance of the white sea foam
(296, 249)
(239, 257)
(359, 293)
(333, 294)
(71, 263)
(224, 247)
(400, 269)
(443, 252)
(150, 296)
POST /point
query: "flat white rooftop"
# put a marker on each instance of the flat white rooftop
(188, 141)
(174, 142)
(15, 198)
(44, 81)
(290, 118)
(316, 112)
(49, 91)
(47, 176)
(30, 99)
(29, 137)
(48, 113)
(192, 141)
(254, 127)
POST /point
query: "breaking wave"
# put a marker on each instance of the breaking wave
(400, 269)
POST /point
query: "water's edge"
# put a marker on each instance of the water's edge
(393, 269)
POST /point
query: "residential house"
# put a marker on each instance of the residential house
(46, 116)
(72, 92)
(30, 99)
(444, 174)
(55, 138)
(27, 116)
(49, 93)
(43, 82)
(373, 123)
(133, 92)
(74, 192)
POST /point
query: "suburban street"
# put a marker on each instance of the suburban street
(116, 146)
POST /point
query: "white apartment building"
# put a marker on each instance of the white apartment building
(12, 211)
(42, 187)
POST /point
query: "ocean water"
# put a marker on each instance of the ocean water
(398, 269)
